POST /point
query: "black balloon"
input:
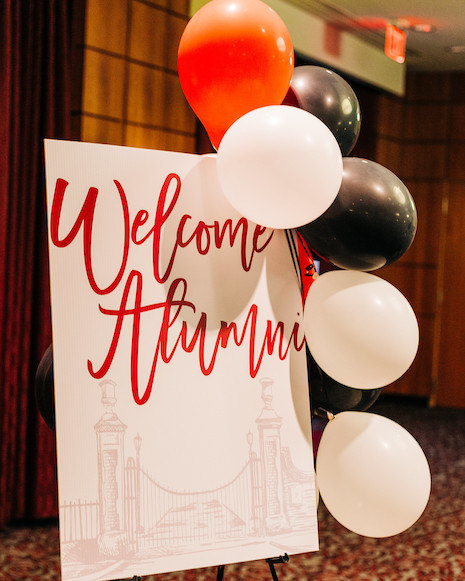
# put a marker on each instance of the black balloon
(44, 388)
(370, 224)
(329, 395)
(330, 98)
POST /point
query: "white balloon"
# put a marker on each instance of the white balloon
(280, 166)
(372, 474)
(360, 329)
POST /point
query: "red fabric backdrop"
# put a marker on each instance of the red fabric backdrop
(35, 49)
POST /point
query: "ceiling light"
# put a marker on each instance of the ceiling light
(422, 28)
(412, 26)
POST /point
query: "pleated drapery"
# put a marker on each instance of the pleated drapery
(35, 91)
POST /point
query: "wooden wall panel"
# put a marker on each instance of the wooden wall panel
(450, 333)
(131, 94)
(390, 120)
(181, 6)
(451, 356)
(389, 153)
(145, 96)
(428, 197)
(457, 127)
(139, 136)
(412, 136)
(149, 31)
(107, 25)
(428, 87)
(431, 149)
(457, 162)
(102, 130)
(103, 93)
(457, 83)
(425, 122)
(422, 160)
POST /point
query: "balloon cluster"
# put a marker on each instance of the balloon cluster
(283, 137)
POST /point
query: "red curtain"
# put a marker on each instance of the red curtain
(35, 89)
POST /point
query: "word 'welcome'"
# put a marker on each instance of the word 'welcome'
(201, 237)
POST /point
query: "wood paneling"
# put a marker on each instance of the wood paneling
(422, 139)
(106, 25)
(450, 334)
(457, 128)
(146, 91)
(148, 34)
(451, 364)
(457, 83)
(139, 136)
(154, 33)
(457, 161)
(103, 92)
(428, 197)
(428, 87)
(102, 130)
(181, 6)
(425, 122)
(391, 116)
(423, 159)
(389, 153)
(412, 141)
(177, 113)
(131, 94)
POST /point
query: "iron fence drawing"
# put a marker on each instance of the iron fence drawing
(269, 495)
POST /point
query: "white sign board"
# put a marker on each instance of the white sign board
(182, 413)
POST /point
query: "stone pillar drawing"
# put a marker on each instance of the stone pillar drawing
(255, 521)
(269, 430)
(110, 432)
(137, 445)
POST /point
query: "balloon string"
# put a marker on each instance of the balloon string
(310, 270)
(293, 250)
(295, 258)
(314, 273)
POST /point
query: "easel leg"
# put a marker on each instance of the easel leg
(271, 562)
(220, 571)
(272, 570)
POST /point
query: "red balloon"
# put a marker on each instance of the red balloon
(234, 56)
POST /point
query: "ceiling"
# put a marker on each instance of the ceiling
(425, 51)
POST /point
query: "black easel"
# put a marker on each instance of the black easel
(271, 563)
(220, 572)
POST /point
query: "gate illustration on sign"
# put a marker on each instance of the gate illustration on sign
(135, 514)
